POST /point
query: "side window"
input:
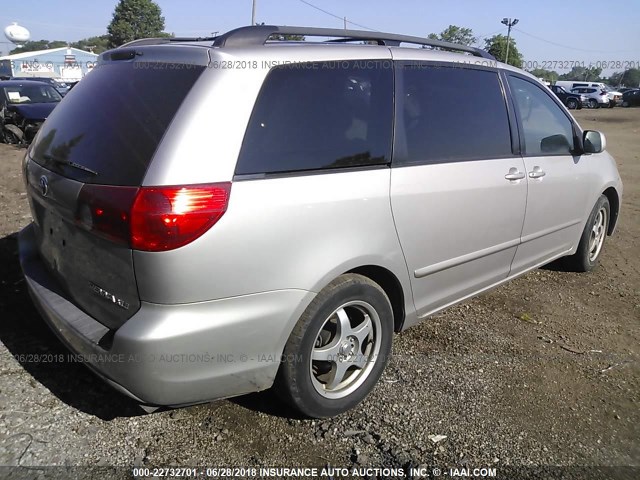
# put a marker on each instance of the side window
(450, 114)
(322, 115)
(547, 130)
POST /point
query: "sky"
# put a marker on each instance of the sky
(587, 31)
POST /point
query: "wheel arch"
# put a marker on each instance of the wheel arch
(614, 204)
(391, 286)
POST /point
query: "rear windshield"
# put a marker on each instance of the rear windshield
(108, 127)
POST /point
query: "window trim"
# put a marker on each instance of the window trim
(245, 177)
(398, 146)
(577, 143)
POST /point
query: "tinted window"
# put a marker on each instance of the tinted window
(113, 120)
(449, 114)
(546, 129)
(320, 115)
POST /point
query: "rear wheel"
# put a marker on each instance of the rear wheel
(593, 103)
(572, 104)
(592, 240)
(338, 349)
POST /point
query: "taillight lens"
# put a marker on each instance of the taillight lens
(164, 218)
(106, 211)
(152, 218)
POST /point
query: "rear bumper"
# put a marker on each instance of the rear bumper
(173, 354)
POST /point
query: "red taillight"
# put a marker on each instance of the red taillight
(152, 218)
(164, 218)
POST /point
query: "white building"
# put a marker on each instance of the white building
(64, 63)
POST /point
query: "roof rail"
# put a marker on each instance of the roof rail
(259, 34)
(162, 40)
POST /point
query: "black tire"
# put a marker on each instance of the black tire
(10, 138)
(572, 104)
(300, 379)
(612, 104)
(593, 103)
(586, 258)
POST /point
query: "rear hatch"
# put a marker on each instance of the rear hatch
(88, 160)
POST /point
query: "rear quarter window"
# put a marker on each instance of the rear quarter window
(321, 115)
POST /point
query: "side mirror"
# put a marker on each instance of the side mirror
(594, 141)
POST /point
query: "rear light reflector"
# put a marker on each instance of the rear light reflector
(152, 218)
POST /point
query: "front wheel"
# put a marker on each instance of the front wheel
(593, 103)
(338, 349)
(592, 240)
(572, 104)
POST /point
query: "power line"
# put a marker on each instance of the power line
(570, 48)
(338, 17)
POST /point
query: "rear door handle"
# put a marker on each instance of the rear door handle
(537, 172)
(514, 174)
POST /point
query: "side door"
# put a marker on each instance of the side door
(458, 184)
(557, 179)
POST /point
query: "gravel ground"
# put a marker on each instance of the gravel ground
(542, 371)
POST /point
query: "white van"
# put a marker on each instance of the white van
(570, 84)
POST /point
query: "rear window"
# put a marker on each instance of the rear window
(323, 115)
(112, 122)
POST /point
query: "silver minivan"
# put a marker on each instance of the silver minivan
(213, 217)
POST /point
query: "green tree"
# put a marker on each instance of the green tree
(586, 74)
(455, 34)
(34, 45)
(134, 19)
(549, 75)
(288, 38)
(628, 78)
(93, 44)
(497, 46)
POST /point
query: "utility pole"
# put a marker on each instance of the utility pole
(253, 13)
(345, 23)
(509, 23)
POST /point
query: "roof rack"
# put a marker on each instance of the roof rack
(161, 40)
(260, 34)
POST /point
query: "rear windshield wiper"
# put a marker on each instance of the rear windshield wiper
(59, 161)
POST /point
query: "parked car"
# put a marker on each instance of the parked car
(339, 194)
(24, 106)
(631, 98)
(615, 96)
(61, 87)
(597, 97)
(571, 100)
